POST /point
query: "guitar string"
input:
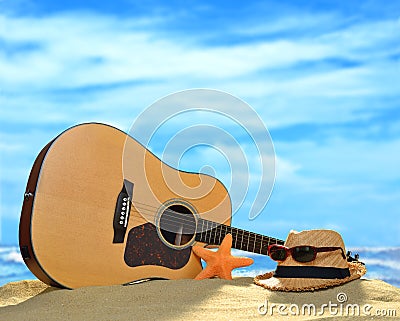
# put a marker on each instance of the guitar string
(257, 247)
(184, 216)
(260, 250)
(192, 225)
(214, 226)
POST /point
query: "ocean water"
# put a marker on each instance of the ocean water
(382, 263)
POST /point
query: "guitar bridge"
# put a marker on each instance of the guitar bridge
(122, 211)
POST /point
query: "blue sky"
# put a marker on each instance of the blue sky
(324, 76)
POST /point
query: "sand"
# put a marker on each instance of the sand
(211, 299)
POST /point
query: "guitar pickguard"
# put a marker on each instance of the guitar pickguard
(144, 247)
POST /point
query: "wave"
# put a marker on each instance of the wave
(374, 249)
(395, 265)
(14, 256)
(7, 249)
(249, 273)
(10, 254)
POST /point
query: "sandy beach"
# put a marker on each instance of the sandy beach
(211, 299)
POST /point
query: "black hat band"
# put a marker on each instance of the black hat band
(311, 272)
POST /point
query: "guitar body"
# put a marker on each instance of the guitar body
(97, 209)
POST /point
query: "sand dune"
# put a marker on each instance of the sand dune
(213, 299)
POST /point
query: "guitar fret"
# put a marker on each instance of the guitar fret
(265, 247)
(209, 228)
(211, 232)
(261, 245)
(205, 234)
(202, 230)
(214, 233)
(206, 237)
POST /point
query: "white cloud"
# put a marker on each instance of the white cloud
(77, 50)
(70, 51)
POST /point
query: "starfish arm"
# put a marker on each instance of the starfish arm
(202, 252)
(226, 244)
(237, 262)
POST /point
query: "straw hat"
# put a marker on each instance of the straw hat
(328, 269)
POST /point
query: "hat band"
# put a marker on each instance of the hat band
(311, 272)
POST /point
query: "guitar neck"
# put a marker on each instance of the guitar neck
(213, 233)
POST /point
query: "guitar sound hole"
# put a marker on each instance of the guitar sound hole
(177, 225)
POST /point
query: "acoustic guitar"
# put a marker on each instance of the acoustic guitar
(101, 209)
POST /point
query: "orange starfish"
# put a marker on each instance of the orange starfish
(220, 263)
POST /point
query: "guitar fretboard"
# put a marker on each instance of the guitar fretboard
(213, 233)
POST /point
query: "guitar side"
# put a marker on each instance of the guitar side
(67, 237)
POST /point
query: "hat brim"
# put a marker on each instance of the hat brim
(270, 282)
